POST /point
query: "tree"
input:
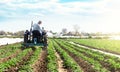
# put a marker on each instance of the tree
(76, 28)
(69, 33)
(2, 33)
(64, 31)
(9, 33)
(19, 33)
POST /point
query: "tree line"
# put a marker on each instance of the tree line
(11, 34)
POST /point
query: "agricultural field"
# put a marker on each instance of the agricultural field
(59, 56)
(102, 44)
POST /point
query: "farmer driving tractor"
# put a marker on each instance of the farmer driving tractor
(38, 35)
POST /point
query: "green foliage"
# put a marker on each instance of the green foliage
(68, 61)
(92, 57)
(27, 67)
(96, 64)
(51, 59)
(105, 44)
(13, 61)
(114, 62)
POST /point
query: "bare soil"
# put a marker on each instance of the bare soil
(61, 68)
(41, 64)
(67, 68)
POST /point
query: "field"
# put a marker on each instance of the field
(60, 56)
(102, 44)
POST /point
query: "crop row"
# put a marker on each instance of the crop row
(109, 62)
(13, 62)
(75, 58)
(104, 44)
(28, 66)
(51, 58)
(96, 65)
(69, 63)
(8, 50)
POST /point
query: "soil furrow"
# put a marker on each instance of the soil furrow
(41, 64)
(61, 68)
(24, 59)
(86, 67)
(102, 62)
(9, 57)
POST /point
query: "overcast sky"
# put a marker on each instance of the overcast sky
(90, 15)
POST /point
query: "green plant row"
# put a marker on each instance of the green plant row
(9, 53)
(105, 44)
(113, 63)
(95, 52)
(51, 58)
(12, 62)
(8, 50)
(68, 61)
(96, 64)
(10, 46)
(27, 67)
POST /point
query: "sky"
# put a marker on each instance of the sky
(89, 15)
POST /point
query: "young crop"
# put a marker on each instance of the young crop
(8, 50)
(27, 67)
(68, 61)
(114, 63)
(51, 58)
(96, 64)
(104, 44)
(12, 62)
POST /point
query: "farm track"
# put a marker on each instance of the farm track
(61, 68)
(86, 67)
(9, 57)
(24, 59)
(41, 65)
(96, 49)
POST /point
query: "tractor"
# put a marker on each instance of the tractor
(33, 38)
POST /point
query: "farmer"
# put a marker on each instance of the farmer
(37, 28)
(38, 31)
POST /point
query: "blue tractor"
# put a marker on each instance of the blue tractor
(33, 38)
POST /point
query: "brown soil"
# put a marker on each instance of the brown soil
(67, 68)
(24, 59)
(86, 67)
(61, 68)
(9, 57)
(41, 64)
(103, 63)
